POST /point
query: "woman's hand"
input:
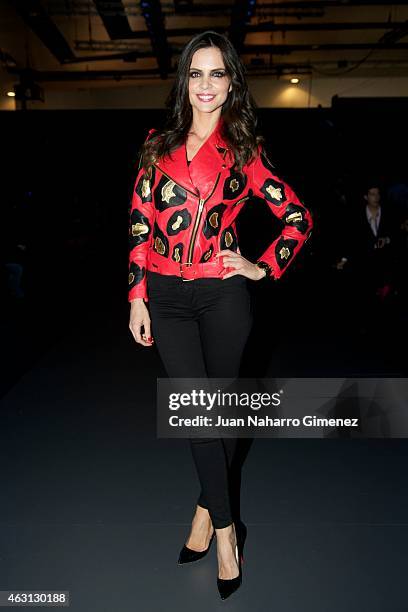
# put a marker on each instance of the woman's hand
(139, 316)
(242, 266)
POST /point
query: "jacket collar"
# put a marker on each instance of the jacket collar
(200, 176)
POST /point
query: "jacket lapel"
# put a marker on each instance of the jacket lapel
(207, 164)
(200, 176)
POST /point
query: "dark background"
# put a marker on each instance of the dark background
(71, 173)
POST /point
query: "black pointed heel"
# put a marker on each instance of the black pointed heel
(187, 555)
(241, 532)
(228, 587)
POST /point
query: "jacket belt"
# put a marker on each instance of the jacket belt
(186, 271)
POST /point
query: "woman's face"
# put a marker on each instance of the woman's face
(208, 83)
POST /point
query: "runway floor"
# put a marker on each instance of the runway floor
(93, 503)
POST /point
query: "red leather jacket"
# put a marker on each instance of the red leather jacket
(185, 214)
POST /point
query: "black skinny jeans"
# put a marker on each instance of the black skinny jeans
(200, 329)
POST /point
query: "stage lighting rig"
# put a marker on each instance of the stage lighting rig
(152, 13)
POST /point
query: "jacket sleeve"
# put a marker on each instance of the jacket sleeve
(284, 203)
(141, 221)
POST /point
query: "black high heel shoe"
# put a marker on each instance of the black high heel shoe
(187, 555)
(228, 587)
(241, 533)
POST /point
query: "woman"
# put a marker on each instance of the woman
(193, 179)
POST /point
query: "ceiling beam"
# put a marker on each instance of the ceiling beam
(112, 13)
(87, 8)
(330, 3)
(83, 75)
(252, 50)
(295, 4)
(152, 12)
(272, 27)
(94, 75)
(126, 56)
(247, 50)
(241, 14)
(37, 19)
(284, 49)
(326, 26)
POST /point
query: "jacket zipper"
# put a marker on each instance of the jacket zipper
(202, 201)
(193, 235)
(198, 217)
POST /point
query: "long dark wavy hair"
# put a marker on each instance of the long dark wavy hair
(238, 111)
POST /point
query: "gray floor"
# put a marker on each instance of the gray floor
(93, 503)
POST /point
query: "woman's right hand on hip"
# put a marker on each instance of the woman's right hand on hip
(139, 317)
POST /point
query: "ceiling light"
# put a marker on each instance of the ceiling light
(294, 80)
(11, 94)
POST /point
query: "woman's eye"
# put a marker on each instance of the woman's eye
(218, 73)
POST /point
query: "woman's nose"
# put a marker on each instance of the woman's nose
(205, 81)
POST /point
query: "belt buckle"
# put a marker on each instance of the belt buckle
(187, 263)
